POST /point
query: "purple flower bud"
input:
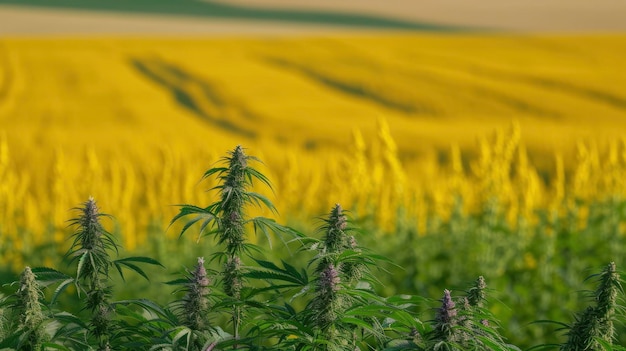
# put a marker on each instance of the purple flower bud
(233, 263)
(91, 209)
(196, 304)
(480, 283)
(199, 275)
(239, 157)
(337, 218)
(447, 312)
(329, 279)
(234, 216)
(476, 295)
(232, 277)
(352, 242)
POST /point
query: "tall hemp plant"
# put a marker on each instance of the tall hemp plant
(328, 304)
(92, 251)
(192, 311)
(594, 328)
(226, 219)
(24, 328)
(31, 326)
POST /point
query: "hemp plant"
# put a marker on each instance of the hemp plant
(227, 220)
(29, 323)
(445, 320)
(465, 324)
(195, 303)
(92, 251)
(593, 328)
(479, 324)
(342, 312)
(328, 303)
(193, 309)
(343, 302)
(28, 307)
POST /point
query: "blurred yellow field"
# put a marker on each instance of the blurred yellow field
(385, 120)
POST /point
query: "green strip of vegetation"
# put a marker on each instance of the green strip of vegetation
(219, 10)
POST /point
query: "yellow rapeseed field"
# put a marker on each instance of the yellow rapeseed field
(375, 122)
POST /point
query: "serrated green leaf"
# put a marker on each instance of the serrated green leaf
(46, 273)
(214, 170)
(357, 322)
(57, 292)
(131, 266)
(272, 276)
(81, 263)
(181, 281)
(141, 259)
(267, 264)
(259, 199)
